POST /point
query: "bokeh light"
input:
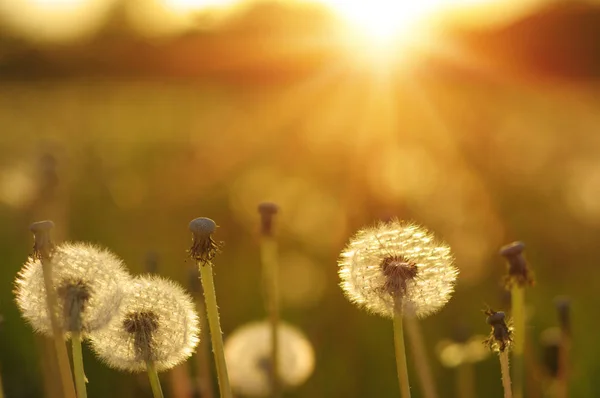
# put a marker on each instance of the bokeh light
(54, 20)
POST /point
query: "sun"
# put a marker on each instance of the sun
(385, 21)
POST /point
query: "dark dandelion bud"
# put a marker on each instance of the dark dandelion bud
(518, 271)
(550, 340)
(41, 232)
(500, 337)
(267, 210)
(563, 307)
(204, 248)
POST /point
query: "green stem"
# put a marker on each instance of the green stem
(518, 315)
(212, 312)
(204, 377)
(420, 357)
(505, 374)
(62, 357)
(268, 251)
(400, 351)
(78, 365)
(154, 380)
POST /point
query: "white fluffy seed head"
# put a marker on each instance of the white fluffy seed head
(157, 322)
(248, 353)
(394, 259)
(97, 274)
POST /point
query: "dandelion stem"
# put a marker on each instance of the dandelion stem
(154, 380)
(212, 312)
(420, 357)
(518, 315)
(78, 365)
(503, 355)
(268, 251)
(465, 386)
(202, 355)
(400, 351)
(62, 356)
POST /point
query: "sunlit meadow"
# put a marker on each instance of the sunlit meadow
(395, 198)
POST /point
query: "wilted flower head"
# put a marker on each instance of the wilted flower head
(500, 338)
(156, 322)
(248, 354)
(397, 260)
(88, 281)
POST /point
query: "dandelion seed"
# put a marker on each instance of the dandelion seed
(156, 323)
(88, 282)
(248, 353)
(397, 260)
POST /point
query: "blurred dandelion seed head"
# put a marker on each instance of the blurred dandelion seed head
(248, 350)
(86, 279)
(157, 322)
(394, 260)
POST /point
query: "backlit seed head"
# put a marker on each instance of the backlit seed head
(88, 282)
(248, 355)
(157, 322)
(204, 248)
(394, 262)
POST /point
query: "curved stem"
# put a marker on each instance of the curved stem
(154, 380)
(400, 351)
(78, 365)
(212, 312)
(518, 315)
(420, 357)
(505, 374)
(268, 251)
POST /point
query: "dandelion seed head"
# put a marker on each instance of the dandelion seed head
(248, 352)
(395, 260)
(86, 279)
(157, 322)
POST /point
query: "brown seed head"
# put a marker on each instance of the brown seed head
(397, 271)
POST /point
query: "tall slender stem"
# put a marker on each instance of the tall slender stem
(78, 365)
(518, 315)
(420, 357)
(505, 374)
(202, 354)
(400, 351)
(212, 312)
(62, 356)
(154, 380)
(268, 251)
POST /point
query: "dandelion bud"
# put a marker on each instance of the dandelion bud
(267, 210)
(500, 337)
(248, 354)
(156, 323)
(88, 283)
(204, 248)
(518, 272)
(397, 262)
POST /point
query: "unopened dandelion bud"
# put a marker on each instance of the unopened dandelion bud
(563, 308)
(248, 354)
(204, 248)
(518, 271)
(156, 323)
(267, 211)
(87, 281)
(42, 245)
(397, 262)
